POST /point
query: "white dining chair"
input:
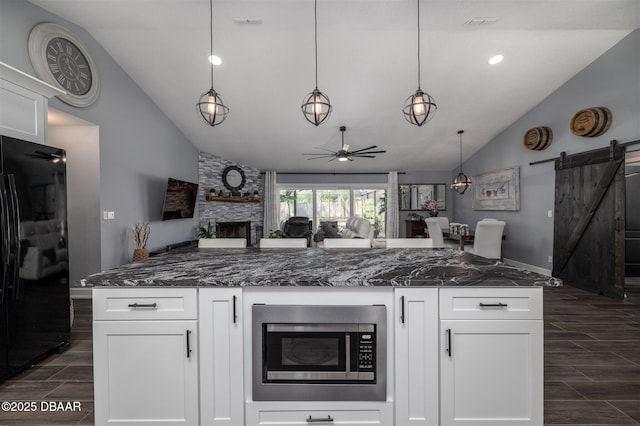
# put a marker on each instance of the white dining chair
(409, 243)
(274, 243)
(487, 240)
(222, 243)
(435, 232)
(335, 243)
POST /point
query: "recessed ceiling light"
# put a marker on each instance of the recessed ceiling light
(496, 59)
(215, 60)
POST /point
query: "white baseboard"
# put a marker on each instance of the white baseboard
(80, 293)
(536, 269)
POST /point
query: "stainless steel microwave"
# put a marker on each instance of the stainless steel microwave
(319, 353)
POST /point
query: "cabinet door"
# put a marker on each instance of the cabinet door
(145, 372)
(491, 372)
(221, 378)
(416, 354)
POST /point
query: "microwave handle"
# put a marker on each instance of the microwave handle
(347, 354)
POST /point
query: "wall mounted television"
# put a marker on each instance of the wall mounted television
(179, 199)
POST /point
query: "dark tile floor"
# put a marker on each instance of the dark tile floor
(592, 365)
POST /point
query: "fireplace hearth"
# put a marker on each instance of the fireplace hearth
(234, 230)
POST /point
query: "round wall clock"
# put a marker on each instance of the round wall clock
(62, 60)
(233, 178)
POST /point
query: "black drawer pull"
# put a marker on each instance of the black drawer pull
(188, 344)
(312, 420)
(493, 305)
(448, 348)
(142, 305)
(402, 309)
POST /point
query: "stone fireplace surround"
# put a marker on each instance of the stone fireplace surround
(210, 169)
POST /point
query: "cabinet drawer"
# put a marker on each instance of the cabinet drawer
(352, 414)
(144, 303)
(491, 303)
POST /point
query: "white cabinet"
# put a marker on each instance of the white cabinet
(290, 413)
(416, 355)
(23, 104)
(221, 357)
(491, 357)
(145, 356)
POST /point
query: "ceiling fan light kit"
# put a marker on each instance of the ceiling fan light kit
(420, 107)
(461, 182)
(211, 107)
(316, 106)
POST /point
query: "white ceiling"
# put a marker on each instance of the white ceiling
(367, 56)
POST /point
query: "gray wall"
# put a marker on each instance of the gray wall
(139, 147)
(612, 80)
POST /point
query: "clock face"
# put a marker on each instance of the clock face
(69, 66)
(61, 59)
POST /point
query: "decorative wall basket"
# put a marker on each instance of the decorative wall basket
(538, 138)
(591, 122)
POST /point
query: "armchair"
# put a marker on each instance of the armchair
(298, 227)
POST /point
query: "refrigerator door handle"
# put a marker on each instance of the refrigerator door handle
(5, 227)
(15, 225)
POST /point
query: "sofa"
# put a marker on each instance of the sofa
(43, 249)
(357, 227)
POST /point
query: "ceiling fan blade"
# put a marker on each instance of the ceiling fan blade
(371, 152)
(322, 156)
(364, 156)
(319, 154)
(364, 149)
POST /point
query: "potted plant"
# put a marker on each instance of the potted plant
(140, 234)
(431, 206)
(276, 234)
(415, 216)
(206, 232)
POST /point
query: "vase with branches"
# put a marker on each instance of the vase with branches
(140, 234)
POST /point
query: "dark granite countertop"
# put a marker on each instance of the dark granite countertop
(316, 267)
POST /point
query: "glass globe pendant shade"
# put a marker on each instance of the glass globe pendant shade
(419, 108)
(212, 108)
(461, 183)
(316, 107)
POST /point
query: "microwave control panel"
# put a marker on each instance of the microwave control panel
(367, 352)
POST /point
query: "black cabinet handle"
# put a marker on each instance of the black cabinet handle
(141, 305)
(402, 309)
(327, 420)
(188, 344)
(235, 315)
(449, 351)
(493, 305)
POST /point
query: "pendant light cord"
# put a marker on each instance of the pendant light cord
(418, 1)
(460, 133)
(211, 37)
(315, 32)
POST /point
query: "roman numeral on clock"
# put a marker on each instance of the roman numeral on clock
(54, 68)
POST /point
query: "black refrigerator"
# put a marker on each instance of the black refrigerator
(34, 297)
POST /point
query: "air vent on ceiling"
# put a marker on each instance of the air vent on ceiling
(474, 22)
(248, 21)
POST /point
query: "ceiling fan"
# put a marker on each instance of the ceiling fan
(343, 154)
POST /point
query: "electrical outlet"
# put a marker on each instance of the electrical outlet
(550, 259)
(111, 215)
(549, 213)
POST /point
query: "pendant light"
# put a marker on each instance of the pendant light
(461, 182)
(420, 107)
(316, 106)
(210, 105)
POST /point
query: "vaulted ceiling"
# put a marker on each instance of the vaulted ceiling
(367, 65)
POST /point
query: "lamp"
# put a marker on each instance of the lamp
(316, 106)
(420, 107)
(210, 105)
(461, 182)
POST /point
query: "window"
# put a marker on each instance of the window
(335, 204)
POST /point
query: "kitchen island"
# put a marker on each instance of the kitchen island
(175, 342)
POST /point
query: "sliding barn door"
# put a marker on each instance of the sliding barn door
(588, 242)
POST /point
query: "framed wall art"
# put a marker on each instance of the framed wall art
(497, 190)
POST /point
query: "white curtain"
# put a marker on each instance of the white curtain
(271, 204)
(393, 209)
